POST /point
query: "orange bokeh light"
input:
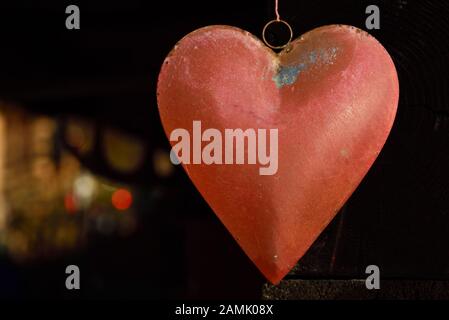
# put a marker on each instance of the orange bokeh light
(122, 199)
(70, 203)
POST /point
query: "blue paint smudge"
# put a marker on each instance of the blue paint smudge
(287, 75)
(312, 57)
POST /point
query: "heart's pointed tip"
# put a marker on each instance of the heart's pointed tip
(275, 273)
(275, 279)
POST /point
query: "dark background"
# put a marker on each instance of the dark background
(398, 218)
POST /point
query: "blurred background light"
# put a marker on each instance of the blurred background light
(84, 188)
(162, 163)
(124, 153)
(79, 134)
(122, 199)
(70, 203)
(51, 202)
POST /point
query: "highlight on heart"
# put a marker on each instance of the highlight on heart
(226, 148)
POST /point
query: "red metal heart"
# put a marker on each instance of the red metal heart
(332, 94)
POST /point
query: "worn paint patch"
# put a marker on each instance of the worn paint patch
(287, 75)
(344, 153)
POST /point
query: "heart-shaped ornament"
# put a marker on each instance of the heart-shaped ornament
(331, 95)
